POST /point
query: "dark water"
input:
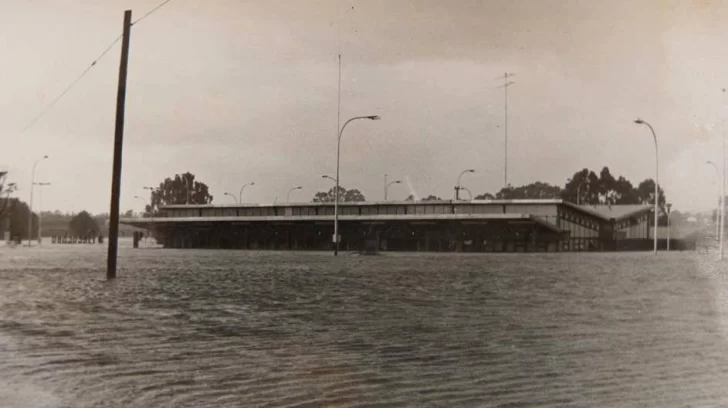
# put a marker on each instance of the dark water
(217, 328)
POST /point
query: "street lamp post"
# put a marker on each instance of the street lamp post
(40, 209)
(578, 193)
(240, 195)
(668, 226)
(187, 189)
(386, 189)
(458, 187)
(336, 192)
(30, 208)
(146, 237)
(143, 201)
(234, 198)
(722, 204)
(288, 196)
(657, 194)
(151, 204)
(720, 200)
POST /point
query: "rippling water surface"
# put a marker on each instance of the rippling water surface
(201, 328)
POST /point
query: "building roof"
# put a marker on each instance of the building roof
(141, 222)
(364, 203)
(615, 212)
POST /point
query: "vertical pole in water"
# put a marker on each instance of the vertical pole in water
(118, 144)
(505, 144)
(722, 204)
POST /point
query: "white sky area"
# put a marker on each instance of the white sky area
(240, 91)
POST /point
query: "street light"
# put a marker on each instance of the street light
(457, 187)
(40, 209)
(30, 208)
(578, 193)
(720, 200)
(143, 201)
(329, 177)
(657, 194)
(469, 193)
(234, 198)
(386, 189)
(187, 188)
(668, 225)
(151, 205)
(288, 196)
(240, 196)
(336, 192)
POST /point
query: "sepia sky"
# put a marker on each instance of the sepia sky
(239, 91)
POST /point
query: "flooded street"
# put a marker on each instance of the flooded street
(195, 328)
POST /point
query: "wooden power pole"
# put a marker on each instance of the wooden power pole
(118, 144)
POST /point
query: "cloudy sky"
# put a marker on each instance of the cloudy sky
(239, 91)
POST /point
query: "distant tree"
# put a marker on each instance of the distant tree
(583, 188)
(354, 195)
(485, 196)
(5, 190)
(604, 188)
(345, 195)
(128, 214)
(646, 193)
(534, 190)
(174, 191)
(83, 225)
(410, 198)
(432, 198)
(17, 213)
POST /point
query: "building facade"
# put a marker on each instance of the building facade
(461, 226)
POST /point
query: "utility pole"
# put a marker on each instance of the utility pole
(40, 210)
(506, 84)
(118, 144)
(338, 135)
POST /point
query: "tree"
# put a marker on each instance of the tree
(345, 195)
(582, 188)
(537, 190)
(606, 189)
(485, 196)
(17, 213)
(646, 194)
(83, 225)
(410, 198)
(625, 193)
(5, 190)
(354, 195)
(432, 198)
(174, 191)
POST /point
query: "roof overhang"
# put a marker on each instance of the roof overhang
(412, 218)
(595, 213)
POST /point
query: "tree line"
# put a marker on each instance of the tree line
(584, 187)
(588, 188)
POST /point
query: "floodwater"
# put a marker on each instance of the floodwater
(198, 328)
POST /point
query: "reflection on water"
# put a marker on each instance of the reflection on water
(219, 328)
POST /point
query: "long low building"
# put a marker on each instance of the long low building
(470, 226)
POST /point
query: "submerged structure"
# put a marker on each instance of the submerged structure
(550, 225)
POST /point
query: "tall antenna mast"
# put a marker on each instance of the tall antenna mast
(505, 86)
(338, 44)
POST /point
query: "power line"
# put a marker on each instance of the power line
(59, 97)
(86, 71)
(162, 4)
